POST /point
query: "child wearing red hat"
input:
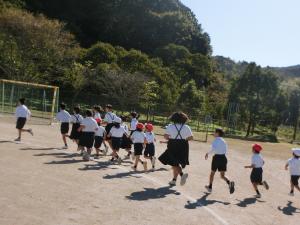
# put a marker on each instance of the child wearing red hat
(150, 147)
(257, 164)
(139, 139)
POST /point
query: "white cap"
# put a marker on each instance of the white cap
(118, 120)
(296, 151)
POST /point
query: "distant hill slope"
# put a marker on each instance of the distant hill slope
(231, 69)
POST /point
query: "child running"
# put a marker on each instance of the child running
(219, 161)
(97, 112)
(150, 147)
(76, 120)
(109, 121)
(100, 135)
(64, 118)
(139, 139)
(134, 122)
(293, 164)
(126, 141)
(178, 136)
(88, 127)
(257, 164)
(22, 114)
(116, 133)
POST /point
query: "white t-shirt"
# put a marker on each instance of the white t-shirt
(109, 117)
(63, 116)
(219, 146)
(294, 165)
(150, 137)
(138, 137)
(133, 124)
(257, 161)
(22, 111)
(172, 131)
(90, 124)
(100, 132)
(125, 128)
(117, 132)
(76, 118)
(97, 115)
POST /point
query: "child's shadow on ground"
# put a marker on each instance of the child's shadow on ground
(98, 166)
(152, 193)
(248, 201)
(122, 175)
(67, 161)
(288, 210)
(203, 202)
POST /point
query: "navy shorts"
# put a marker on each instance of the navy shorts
(116, 143)
(256, 175)
(219, 162)
(149, 150)
(295, 180)
(138, 148)
(20, 122)
(64, 128)
(98, 141)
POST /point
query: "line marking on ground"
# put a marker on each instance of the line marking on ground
(147, 177)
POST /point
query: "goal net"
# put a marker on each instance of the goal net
(42, 100)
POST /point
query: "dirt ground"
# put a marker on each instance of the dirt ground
(43, 185)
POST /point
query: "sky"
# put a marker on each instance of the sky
(263, 31)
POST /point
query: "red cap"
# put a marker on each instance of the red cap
(149, 126)
(257, 147)
(140, 126)
(98, 120)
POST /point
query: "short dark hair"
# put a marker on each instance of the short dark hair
(133, 114)
(220, 132)
(123, 118)
(179, 117)
(77, 109)
(88, 113)
(109, 106)
(297, 157)
(22, 101)
(62, 105)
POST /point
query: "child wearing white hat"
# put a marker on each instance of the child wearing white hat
(294, 166)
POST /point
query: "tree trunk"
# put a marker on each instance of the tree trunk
(253, 127)
(295, 130)
(249, 127)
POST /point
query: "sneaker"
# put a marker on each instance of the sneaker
(291, 194)
(30, 131)
(266, 185)
(96, 156)
(119, 161)
(153, 162)
(183, 179)
(258, 196)
(172, 183)
(231, 187)
(145, 165)
(17, 139)
(65, 147)
(209, 190)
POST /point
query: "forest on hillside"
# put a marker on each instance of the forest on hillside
(139, 54)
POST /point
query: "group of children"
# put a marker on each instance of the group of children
(110, 130)
(93, 131)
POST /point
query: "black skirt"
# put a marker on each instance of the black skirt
(126, 142)
(177, 153)
(20, 122)
(87, 139)
(75, 135)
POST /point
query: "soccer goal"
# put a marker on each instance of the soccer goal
(42, 100)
